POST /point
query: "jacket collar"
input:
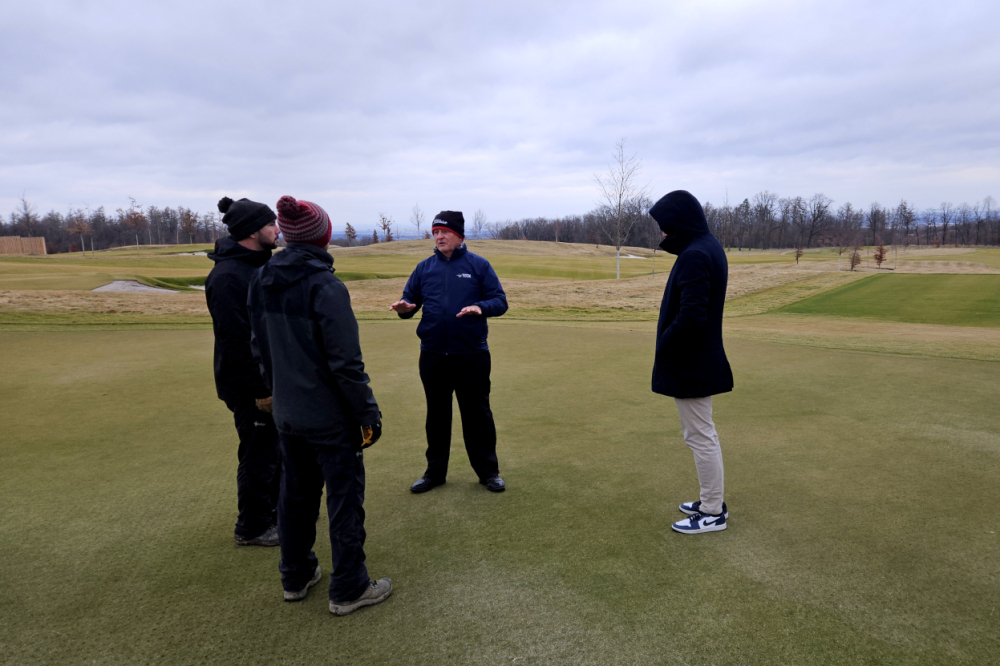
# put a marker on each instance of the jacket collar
(459, 252)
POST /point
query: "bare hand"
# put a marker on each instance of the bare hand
(265, 404)
(471, 309)
(402, 306)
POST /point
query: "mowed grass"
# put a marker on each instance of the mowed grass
(954, 300)
(855, 485)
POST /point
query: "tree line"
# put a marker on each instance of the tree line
(764, 221)
(767, 221)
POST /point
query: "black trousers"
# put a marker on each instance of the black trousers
(307, 464)
(468, 377)
(257, 473)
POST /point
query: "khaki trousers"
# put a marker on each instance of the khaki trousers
(700, 435)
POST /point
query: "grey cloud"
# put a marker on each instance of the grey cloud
(371, 107)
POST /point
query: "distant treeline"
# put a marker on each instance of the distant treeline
(767, 221)
(764, 221)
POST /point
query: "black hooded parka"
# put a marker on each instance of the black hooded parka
(306, 339)
(237, 375)
(690, 359)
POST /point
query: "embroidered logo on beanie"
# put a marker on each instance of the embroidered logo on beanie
(303, 222)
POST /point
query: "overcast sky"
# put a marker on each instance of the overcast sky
(368, 107)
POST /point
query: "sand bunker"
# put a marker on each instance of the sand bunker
(133, 286)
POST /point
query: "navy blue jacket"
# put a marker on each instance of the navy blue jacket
(237, 376)
(305, 337)
(443, 286)
(690, 359)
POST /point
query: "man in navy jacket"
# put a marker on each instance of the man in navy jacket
(458, 290)
(691, 364)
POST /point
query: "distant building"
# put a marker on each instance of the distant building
(19, 245)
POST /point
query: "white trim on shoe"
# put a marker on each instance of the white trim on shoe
(700, 523)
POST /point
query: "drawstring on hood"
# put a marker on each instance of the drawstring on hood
(681, 217)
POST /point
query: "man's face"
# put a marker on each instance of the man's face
(267, 236)
(446, 241)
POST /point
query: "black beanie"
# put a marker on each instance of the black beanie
(244, 217)
(452, 220)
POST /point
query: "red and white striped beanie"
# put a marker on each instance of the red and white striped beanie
(303, 222)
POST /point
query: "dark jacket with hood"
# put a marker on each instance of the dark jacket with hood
(237, 376)
(443, 286)
(690, 360)
(306, 339)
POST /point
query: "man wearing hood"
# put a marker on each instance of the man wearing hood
(252, 235)
(305, 337)
(691, 364)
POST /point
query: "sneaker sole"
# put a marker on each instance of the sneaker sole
(347, 609)
(713, 528)
(301, 594)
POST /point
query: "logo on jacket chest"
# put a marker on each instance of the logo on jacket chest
(463, 275)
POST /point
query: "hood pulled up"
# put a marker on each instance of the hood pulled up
(294, 264)
(680, 216)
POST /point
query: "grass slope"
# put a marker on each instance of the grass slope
(844, 469)
(955, 300)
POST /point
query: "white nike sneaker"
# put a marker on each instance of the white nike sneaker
(691, 508)
(700, 522)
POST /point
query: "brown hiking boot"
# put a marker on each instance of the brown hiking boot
(377, 592)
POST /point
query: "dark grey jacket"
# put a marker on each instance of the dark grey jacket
(690, 359)
(305, 338)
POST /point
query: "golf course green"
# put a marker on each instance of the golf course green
(860, 488)
(952, 300)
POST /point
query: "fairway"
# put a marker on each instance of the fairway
(955, 300)
(847, 477)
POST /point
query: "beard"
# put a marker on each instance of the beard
(268, 246)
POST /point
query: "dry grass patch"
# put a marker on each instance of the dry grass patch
(978, 344)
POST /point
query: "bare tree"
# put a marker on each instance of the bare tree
(77, 223)
(946, 215)
(905, 217)
(135, 220)
(876, 218)
(189, 224)
(385, 224)
(479, 222)
(621, 199)
(417, 218)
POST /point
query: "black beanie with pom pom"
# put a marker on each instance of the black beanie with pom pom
(244, 217)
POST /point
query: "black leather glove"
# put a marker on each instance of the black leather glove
(371, 433)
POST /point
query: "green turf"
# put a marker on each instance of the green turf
(859, 487)
(955, 300)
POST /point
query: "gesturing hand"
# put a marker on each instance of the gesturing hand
(471, 309)
(402, 306)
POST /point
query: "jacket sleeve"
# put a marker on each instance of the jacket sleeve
(694, 280)
(342, 348)
(259, 347)
(494, 301)
(227, 302)
(412, 294)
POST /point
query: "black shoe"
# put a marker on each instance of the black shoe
(494, 484)
(424, 484)
(268, 538)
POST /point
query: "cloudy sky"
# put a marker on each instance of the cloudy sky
(368, 107)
